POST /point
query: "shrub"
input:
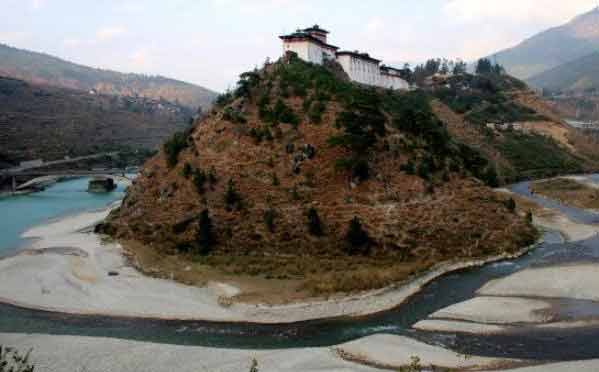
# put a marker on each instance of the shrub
(224, 99)
(13, 361)
(173, 146)
(424, 170)
(415, 366)
(260, 134)
(360, 170)
(510, 204)
(269, 219)
(234, 116)
(275, 180)
(205, 237)
(314, 224)
(199, 179)
(409, 167)
(254, 366)
(358, 241)
(232, 198)
(316, 111)
(247, 81)
(283, 114)
(186, 171)
(490, 177)
(212, 179)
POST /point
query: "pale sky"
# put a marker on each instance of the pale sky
(210, 42)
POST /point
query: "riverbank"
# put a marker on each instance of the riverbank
(560, 293)
(374, 353)
(98, 280)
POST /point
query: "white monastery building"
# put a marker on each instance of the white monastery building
(311, 45)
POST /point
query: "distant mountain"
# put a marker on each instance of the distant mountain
(552, 48)
(41, 68)
(581, 74)
(50, 123)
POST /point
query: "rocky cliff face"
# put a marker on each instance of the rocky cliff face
(299, 164)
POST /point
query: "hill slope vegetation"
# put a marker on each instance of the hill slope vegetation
(302, 175)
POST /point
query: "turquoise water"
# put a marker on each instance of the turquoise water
(19, 213)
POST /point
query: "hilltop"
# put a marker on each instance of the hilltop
(552, 48)
(50, 123)
(324, 184)
(39, 68)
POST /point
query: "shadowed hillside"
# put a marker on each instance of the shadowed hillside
(50, 123)
(41, 68)
(579, 75)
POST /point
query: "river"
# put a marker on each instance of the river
(18, 213)
(449, 289)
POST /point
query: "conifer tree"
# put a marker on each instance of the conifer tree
(205, 237)
(314, 224)
(357, 238)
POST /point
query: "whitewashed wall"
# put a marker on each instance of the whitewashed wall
(359, 70)
(307, 51)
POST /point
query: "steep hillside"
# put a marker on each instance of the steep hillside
(50, 123)
(38, 68)
(552, 48)
(301, 175)
(579, 75)
(528, 139)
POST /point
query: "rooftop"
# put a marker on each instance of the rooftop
(356, 54)
(316, 28)
(302, 35)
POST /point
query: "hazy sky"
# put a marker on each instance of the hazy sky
(209, 42)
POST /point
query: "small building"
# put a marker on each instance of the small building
(311, 45)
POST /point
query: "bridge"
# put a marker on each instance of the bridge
(45, 177)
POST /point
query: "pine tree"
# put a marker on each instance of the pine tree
(357, 238)
(199, 179)
(186, 172)
(205, 237)
(314, 224)
(232, 197)
(212, 180)
(269, 219)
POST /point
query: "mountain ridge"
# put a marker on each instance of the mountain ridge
(553, 47)
(578, 75)
(42, 68)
